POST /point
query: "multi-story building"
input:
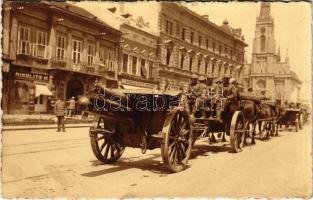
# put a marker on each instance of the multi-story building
(267, 71)
(52, 50)
(191, 44)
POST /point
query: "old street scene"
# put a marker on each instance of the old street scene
(156, 99)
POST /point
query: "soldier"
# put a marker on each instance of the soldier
(195, 90)
(232, 91)
(217, 99)
(202, 85)
(60, 112)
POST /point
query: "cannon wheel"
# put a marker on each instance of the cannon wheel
(105, 144)
(177, 141)
(237, 132)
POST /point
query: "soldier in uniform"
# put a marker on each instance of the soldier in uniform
(196, 89)
(218, 88)
(233, 95)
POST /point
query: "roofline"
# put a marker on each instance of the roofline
(210, 23)
(150, 34)
(84, 17)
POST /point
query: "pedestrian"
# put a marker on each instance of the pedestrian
(71, 107)
(60, 112)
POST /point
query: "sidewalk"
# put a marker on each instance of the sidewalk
(46, 126)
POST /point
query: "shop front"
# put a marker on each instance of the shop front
(30, 93)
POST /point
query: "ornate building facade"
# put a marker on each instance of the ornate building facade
(267, 71)
(53, 50)
(191, 44)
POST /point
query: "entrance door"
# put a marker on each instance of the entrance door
(74, 88)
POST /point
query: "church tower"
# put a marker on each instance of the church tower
(264, 42)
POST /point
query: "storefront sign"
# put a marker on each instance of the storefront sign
(138, 84)
(31, 76)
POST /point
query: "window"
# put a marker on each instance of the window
(24, 40)
(183, 34)
(199, 65)
(200, 40)
(125, 63)
(168, 56)
(143, 71)
(41, 44)
(190, 63)
(263, 43)
(226, 52)
(102, 55)
(220, 49)
(91, 53)
(60, 47)
(150, 69)
(213, 68)
(231, 54)
(213, 46)
(39, 100)
(191, 37)
(111, 59)
(207, 43)
(206, 67)
(76, 51)
(169, 27)
(134, 65)
(182, 60)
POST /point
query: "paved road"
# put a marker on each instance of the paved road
(44, 163)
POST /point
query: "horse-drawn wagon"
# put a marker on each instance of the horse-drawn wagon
(292, 117)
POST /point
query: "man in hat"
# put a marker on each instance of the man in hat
(195, 91)
(60, 112)
(232, 91)
(71, 107)
(217, 97)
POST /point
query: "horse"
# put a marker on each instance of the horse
(269, 115)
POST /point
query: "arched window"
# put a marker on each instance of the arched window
(263, 43)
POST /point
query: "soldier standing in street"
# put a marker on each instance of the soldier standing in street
(60, 112)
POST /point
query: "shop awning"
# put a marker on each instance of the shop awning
(128, 87)
(42, 90)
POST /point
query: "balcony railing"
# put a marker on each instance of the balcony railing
(83, 67)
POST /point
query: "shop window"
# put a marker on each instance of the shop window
(134, 65)
(76, 51)
(220, 49)
(169, 27)
(21, 92)
(39, 100)
(125, 63)
(60, 47)
(24, 40)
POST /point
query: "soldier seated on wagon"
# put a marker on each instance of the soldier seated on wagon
(196, 89)
(217, 99)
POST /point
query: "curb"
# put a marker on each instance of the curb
(43, 127)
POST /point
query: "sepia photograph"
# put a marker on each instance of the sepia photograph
(156, 99)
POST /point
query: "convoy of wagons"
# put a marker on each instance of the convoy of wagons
(149, 119)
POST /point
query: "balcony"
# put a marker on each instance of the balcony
(83, 67)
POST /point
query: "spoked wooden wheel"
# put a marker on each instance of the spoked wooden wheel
(177, 143)
(250, 127)
(237, 132)
(105, 142)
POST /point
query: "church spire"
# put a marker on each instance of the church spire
(265, 11)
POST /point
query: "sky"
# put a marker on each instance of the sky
(292, 26)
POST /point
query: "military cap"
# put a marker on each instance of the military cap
(194, 76)
(232, 80)
(201, 78)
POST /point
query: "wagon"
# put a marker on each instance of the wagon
(143, 119)
(291, 117)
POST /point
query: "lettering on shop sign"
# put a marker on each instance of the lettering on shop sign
(31, 76)
(139, 84)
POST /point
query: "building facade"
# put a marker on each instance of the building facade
(267, 71)
(191, 44)
(53, 50)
